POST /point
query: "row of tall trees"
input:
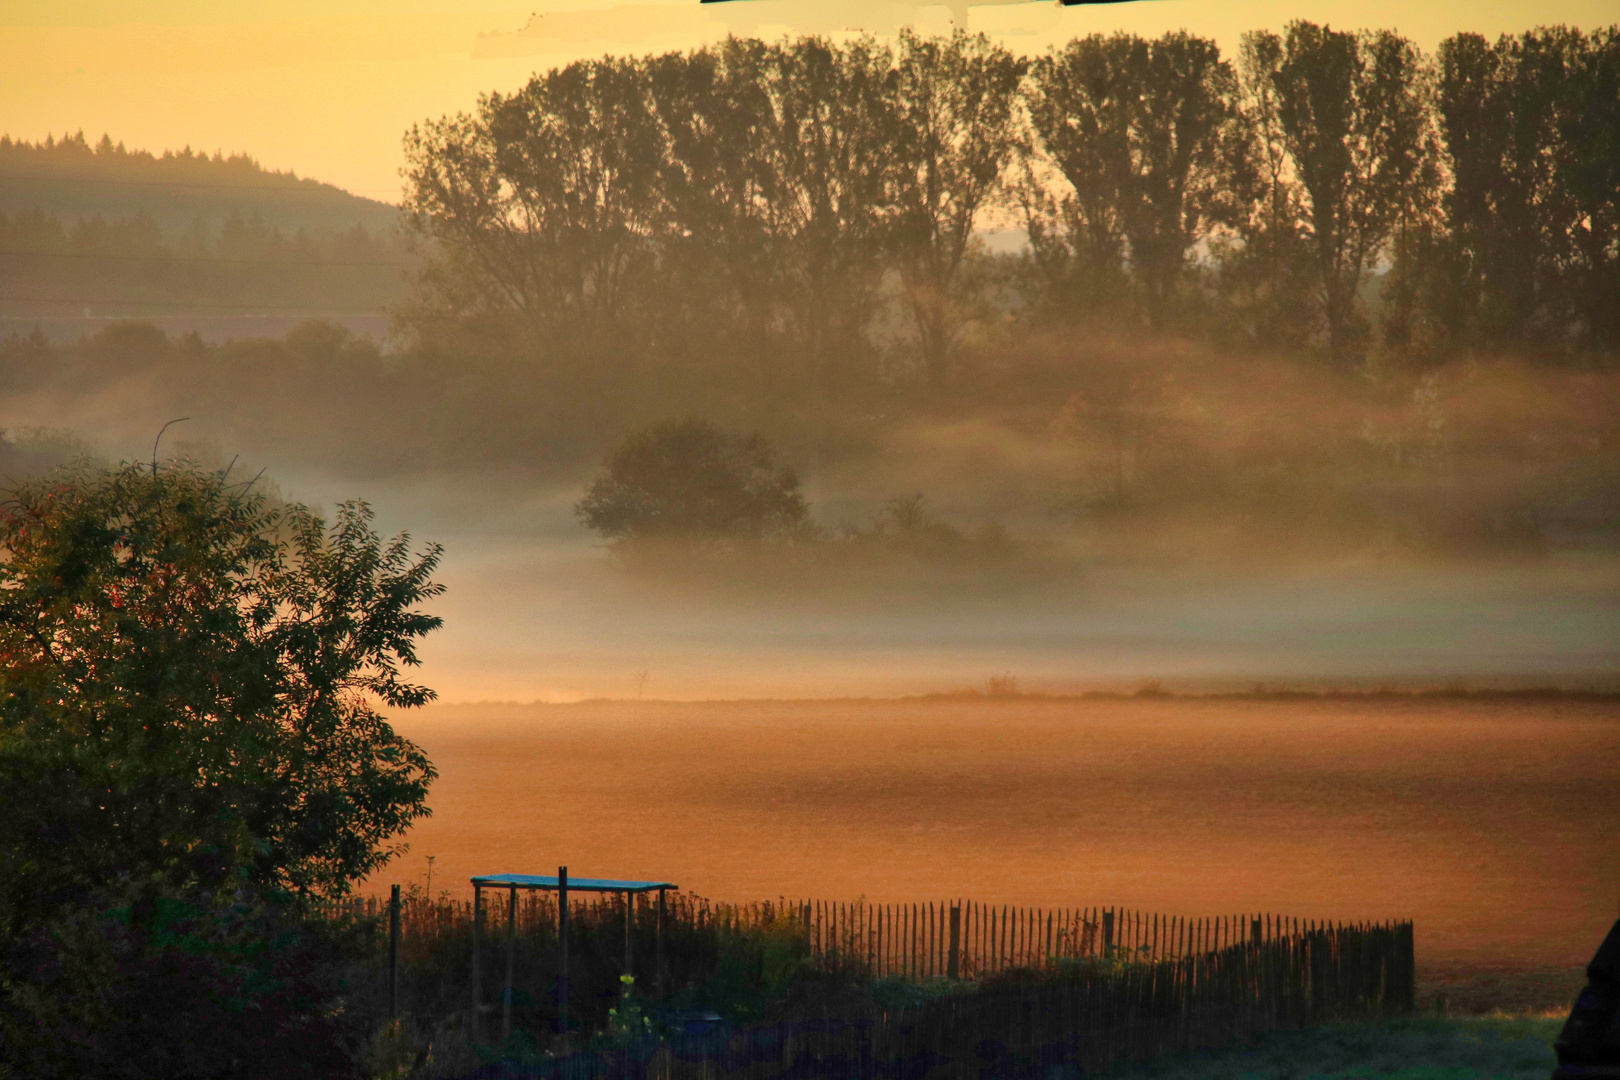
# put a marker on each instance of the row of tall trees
(757, 191)
(789, 200)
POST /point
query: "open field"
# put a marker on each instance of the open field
(1486, 1048)
(1489, 822)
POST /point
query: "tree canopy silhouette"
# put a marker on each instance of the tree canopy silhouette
(807, 209)
(190, 750)
(686, 480)
(190, 684)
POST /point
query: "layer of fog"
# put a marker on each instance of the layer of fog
(536, 610)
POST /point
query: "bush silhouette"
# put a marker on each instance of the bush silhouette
(686, 480)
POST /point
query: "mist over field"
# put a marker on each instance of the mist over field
(1429, 554)
(1257, 523)
(537, 609)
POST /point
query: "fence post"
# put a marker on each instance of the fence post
(393, 953)
(954, 965)
(1108, 934)
(1407, 955)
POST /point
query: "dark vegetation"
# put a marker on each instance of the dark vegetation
(130, 233)
(683, 500)
(190, 757)
(686, 480)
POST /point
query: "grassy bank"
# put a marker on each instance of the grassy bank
(1499, 1047)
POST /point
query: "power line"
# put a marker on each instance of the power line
(186, 259)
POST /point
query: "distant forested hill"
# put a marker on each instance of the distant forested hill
(93, 233)
(178, 191)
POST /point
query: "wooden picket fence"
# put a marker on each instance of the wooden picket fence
(969, 940)
(1037, 994)
(913, 942)
(907, 941)
(1065, 1025)
(425, 922)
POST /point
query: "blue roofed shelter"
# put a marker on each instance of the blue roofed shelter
(562, 885)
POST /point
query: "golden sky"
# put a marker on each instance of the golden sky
(326, 87)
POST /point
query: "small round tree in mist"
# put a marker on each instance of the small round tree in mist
(688, 481)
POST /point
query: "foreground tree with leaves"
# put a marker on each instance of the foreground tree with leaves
(190, 749)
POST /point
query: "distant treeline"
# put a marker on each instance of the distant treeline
(804, 213)
(128, 232)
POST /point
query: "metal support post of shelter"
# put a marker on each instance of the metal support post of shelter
(511, 956)
(562, 941)
(562, 886)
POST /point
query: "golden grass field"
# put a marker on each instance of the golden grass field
(1494, 823)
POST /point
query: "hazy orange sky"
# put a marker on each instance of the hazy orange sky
(326, 87)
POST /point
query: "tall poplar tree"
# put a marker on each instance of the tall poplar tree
(540, 209)
(1138, 130)
(833, 167)
(1353, 113)
(778, 182)
(1589, 173)
(956, 103)
(720, 193)
(1264, 277)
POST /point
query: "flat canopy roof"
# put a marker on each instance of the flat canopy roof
(539, 881)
